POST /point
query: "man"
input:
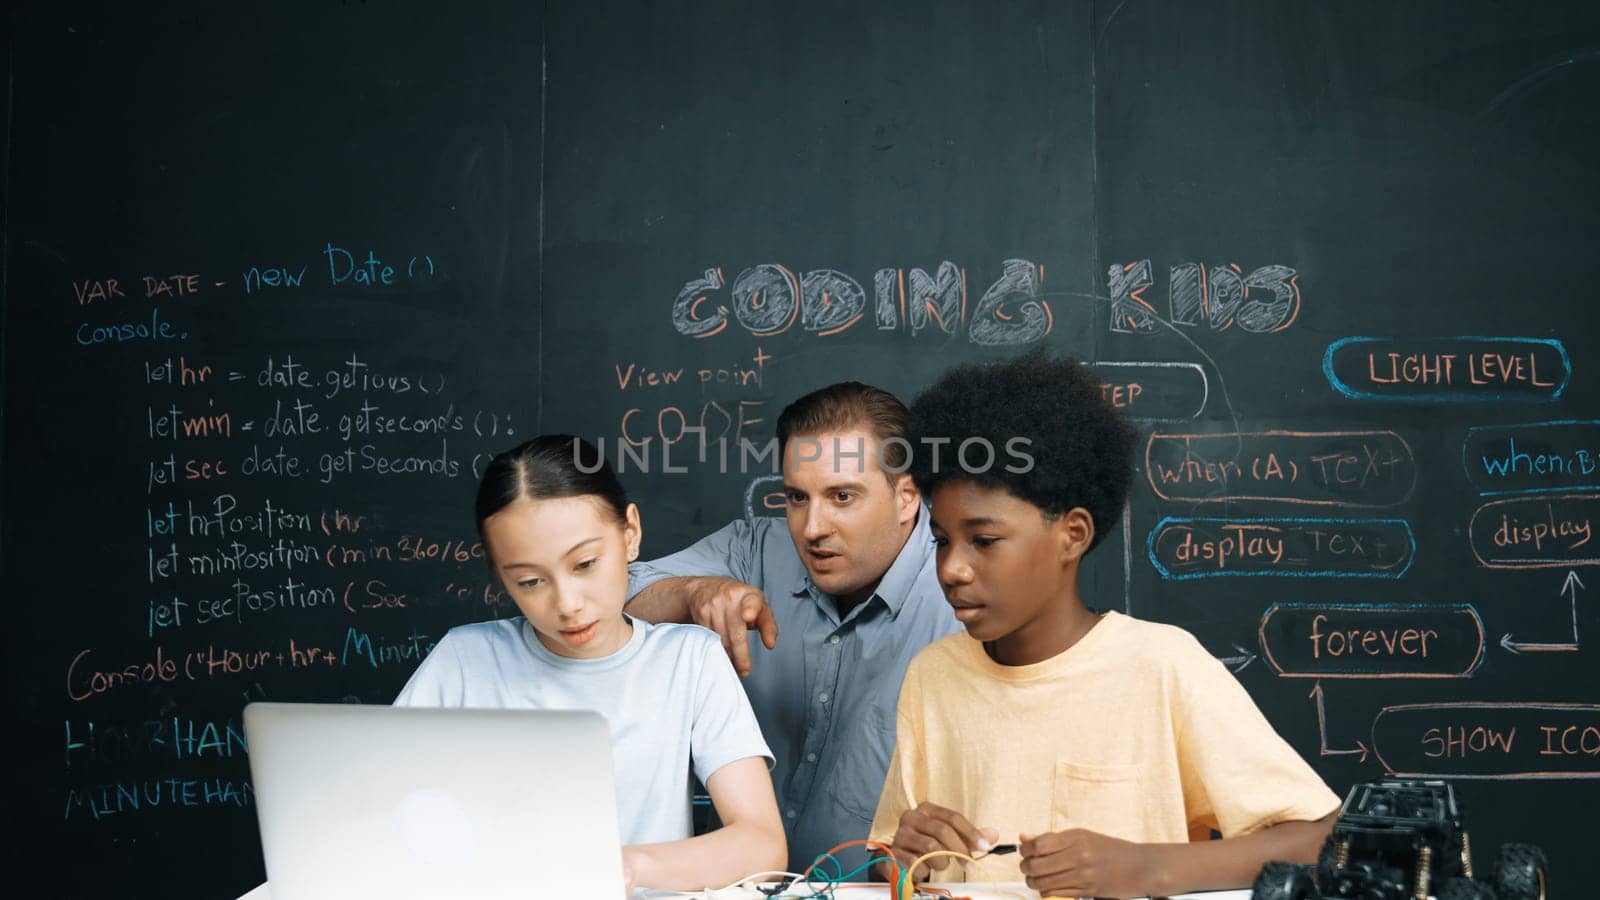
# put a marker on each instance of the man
(852, 592)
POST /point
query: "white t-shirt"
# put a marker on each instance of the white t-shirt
(670, 695)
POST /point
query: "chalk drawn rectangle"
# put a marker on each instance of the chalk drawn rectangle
(1522, 765)
(1353, 469)
(1172, 381)
(1335, 359)
(1291, 527)
(1574, 521)
(1461, 630)
(1565, 444)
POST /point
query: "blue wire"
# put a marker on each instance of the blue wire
(839, 876)
(865, 866)
(828, 882)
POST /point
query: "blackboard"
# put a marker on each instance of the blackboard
(1334, 258)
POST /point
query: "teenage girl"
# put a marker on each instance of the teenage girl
(559, 532)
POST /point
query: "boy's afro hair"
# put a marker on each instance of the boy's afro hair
(1081, 449)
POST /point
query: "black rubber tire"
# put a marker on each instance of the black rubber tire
(1284, 881)
(1467, 889)
(1522, 873)
(1326, 856)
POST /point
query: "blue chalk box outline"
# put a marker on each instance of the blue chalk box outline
(1150, 547)
(1592, 483)
(1473, 397)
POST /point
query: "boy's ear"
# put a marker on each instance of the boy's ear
(1075, 529)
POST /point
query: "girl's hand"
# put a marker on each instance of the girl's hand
(629, 866)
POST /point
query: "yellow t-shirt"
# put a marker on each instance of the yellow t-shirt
(1135, 732)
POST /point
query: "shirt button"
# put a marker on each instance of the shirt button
(811, 757)
(822, 697)
(790, 813)
(834, 639)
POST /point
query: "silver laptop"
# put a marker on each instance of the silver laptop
(394, 803)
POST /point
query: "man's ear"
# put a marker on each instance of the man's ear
(1074, 532)
(906, 496)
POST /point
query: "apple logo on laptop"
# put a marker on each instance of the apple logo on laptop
(434, 828)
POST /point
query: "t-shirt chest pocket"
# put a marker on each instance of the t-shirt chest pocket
(1105, 799)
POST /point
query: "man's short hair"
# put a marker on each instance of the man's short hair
(845, 406)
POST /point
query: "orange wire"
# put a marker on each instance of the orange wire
(869, 844)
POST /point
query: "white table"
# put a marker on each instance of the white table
(867, 892)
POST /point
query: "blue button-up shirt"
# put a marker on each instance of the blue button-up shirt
(825, 698)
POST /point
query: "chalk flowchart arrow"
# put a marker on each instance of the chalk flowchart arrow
(1569, 588)
(1322, 729)
(1238, 663)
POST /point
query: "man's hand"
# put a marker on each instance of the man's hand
(1080, 863)
(928, 827)
(731, 608)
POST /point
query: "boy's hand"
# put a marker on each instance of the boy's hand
(928, 827)
(1081, 863)
(731, 608)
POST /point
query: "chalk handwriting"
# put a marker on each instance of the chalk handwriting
(767, 299)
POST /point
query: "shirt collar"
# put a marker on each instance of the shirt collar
(897, 584)
(611, 661)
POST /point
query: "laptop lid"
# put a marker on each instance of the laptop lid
(379, 801)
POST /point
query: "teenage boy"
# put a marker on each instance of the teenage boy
(1105, 747)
